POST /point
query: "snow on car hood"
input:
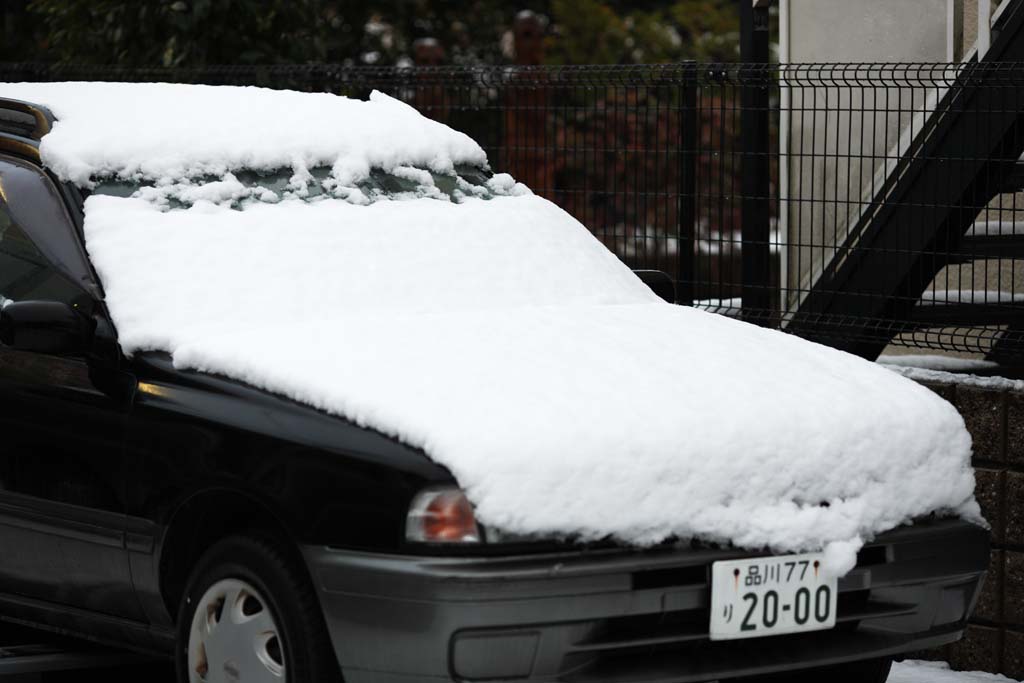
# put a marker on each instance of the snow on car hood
(498, 335)
(505, 341)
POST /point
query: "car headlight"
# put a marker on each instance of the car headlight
(441, 515)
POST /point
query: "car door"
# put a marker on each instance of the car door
(62, 483)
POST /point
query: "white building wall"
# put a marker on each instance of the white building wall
(832, 153)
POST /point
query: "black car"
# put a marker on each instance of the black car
(253, 538)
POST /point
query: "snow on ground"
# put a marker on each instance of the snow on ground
(948, 370)
(938, 297)
(504, 340)
(990, 228)
(937, 362)
(939, 672)
(943, 377)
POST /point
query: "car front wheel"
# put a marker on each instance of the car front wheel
(249, 613)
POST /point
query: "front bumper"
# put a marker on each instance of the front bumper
(617, 615)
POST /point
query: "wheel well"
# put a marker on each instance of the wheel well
(203, 520)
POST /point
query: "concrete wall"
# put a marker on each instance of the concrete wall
(866, 30)
(995, 638)
(834, 155)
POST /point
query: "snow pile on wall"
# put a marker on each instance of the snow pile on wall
(512, 347)
(171, 131)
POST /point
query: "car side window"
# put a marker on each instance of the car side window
(28, 203)
(40, 252)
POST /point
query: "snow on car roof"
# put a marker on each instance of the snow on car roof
(508, 343)
(167, 130)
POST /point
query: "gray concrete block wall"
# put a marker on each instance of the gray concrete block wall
(995, 638)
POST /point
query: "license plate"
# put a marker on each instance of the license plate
(771, 596)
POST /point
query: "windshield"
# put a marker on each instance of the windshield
(246, 186)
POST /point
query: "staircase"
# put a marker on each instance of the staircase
(924, 217)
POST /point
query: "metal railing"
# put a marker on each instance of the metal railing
(856, 204)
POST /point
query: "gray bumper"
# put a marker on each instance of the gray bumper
(615, 615)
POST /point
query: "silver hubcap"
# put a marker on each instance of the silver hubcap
(234, 638)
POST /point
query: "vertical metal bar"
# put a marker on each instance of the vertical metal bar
(687, 193)
(784, 161)
(635, 160)
(755, 178)
(591, 181)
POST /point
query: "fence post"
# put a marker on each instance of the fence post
(689, 122)
(754, 154)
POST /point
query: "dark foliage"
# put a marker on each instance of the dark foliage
(202, 32)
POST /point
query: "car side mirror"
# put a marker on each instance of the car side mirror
(659, 282)
(49, 327)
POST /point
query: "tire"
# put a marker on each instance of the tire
(867, 671)
(262, 618)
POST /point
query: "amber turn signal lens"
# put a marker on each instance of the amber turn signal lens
(441, 516)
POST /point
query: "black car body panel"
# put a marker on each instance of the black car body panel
(115, 473)
(323, 479)
(189, 432)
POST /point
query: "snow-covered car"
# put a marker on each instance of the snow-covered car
(295, 387)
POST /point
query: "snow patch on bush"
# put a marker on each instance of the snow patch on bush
(505, 341)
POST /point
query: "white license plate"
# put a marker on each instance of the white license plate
(771, 596)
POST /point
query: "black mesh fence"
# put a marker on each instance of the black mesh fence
(856, 204)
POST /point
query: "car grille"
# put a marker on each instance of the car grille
(674, 629)
(646, 619)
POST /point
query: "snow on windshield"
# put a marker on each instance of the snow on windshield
(504, 340)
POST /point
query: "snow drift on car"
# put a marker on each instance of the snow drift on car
(496, 334)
